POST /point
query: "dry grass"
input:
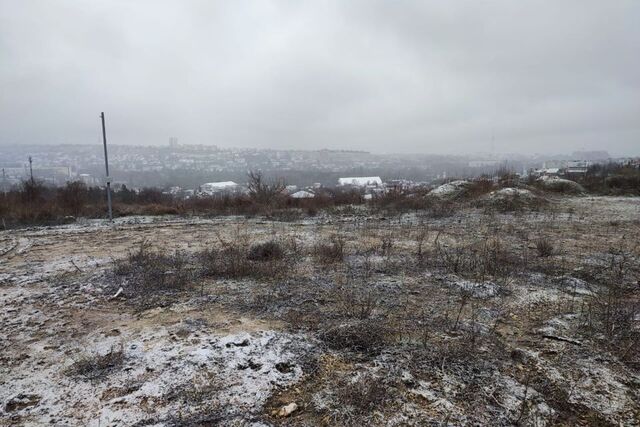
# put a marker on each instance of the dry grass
(544, 247)
(365, 336)
(329, 251)
(147, 271)
(271, 250)
(95, 366)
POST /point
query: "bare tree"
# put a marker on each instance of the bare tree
(262, 191)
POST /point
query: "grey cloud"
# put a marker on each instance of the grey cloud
(411, 76)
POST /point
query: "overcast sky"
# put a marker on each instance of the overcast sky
(385, 76)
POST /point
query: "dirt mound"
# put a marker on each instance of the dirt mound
(451, 190)
(560, 185)
(510, 199)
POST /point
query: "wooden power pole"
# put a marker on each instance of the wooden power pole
(31, 168)
(106, 166)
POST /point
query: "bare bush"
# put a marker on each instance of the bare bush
(421, 236)
(265, 251)
(365, 336)
(480, 260)
(362, 395)
(73, 196)
(544, 247)
(229, 262)
(386, 245)
(262, 191)
(97, 365)
(479, 187)
(355, 301)
(441, 209)
(329, 251)
(238, 259)
(32, 190)
(612, 313)
(151, 271)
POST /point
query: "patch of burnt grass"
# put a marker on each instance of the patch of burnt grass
(95, 366)
(364, 336)
(364, 394)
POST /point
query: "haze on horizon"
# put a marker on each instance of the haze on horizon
(382, 76)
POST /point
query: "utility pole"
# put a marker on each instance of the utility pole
(31, 168)
(106, 166)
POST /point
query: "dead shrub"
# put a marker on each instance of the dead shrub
(479, 261)
(329, 251)
(544, 247)
(397, 201)
(263, 191)
(202, 387)
(233, 261)
(227, 262)
(265, 251)
(366, 336)
(363, 394)
(612, 313)
(438, 209)
(72, 197)
(94, 366)
(355, 300)
(150, 271)
(479, 187)
(386, 245)
(611, 316)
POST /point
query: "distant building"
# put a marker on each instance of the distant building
(211, 188)
(302, 194)
(87, 179)
(400, 184)
(546, 172)
(577, 167)
(554, 164)
(483, 163)
(363, 181)
(593, 156)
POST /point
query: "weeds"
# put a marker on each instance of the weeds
(544, 247)
(96, 365)
(237, 261)
(365, 336)
(612, 313)
(265, 251)
(148, 271)
(329, 251)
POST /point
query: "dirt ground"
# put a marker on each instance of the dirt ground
(462, 319)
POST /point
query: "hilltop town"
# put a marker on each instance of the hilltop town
(186, 169)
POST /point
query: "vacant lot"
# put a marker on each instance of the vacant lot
(353, 318)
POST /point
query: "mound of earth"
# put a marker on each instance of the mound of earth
(512, 199)
(511, 193)
(562, 186)
(451, 190)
